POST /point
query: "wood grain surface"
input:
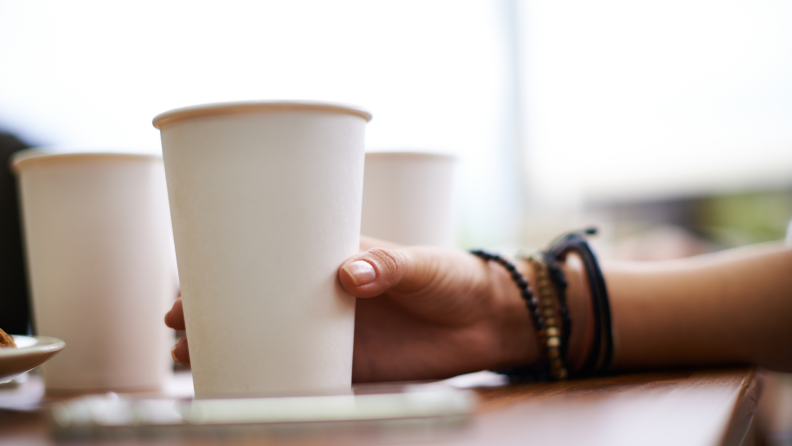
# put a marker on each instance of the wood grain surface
(706, 407)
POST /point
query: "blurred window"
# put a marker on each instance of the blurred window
(636, 100)
(572, 100)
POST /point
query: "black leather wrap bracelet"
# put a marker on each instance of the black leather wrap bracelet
(601, 354)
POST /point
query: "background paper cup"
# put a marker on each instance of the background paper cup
(265, 200)
(101, 267)
(408, 198)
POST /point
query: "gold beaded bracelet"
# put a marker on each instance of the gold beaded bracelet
(552, 332)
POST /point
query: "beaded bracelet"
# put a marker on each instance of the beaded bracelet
(558, 279)
(560, 284)
(525, 291)
(541, 370)
(554, 342)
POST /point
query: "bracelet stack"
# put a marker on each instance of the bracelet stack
(550, 314)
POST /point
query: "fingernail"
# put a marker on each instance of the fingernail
(361, 272)
(173, 354)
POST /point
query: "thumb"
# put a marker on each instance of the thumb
(375, 271)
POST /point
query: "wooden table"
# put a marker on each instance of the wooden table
(708, 407)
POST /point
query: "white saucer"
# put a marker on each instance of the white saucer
(31, 352)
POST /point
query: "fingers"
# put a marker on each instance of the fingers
(180, 352)
(175, 320)
(175, 317)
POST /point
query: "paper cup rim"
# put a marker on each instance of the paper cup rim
(225, 108)
(410, 154)
(17, 164)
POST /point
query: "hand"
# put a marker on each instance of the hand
(430, 313)
(424, 313)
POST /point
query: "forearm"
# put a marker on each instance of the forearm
(733, 307)
(727, 308)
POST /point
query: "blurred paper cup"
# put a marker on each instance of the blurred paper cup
(408, 198)
(101, 266)
(265, 200)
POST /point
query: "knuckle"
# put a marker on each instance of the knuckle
(391, 260)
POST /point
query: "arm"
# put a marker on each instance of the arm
(725, 308)
(733, 307)
(428, 313)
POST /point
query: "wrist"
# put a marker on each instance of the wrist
(518, 344)
(517, 341)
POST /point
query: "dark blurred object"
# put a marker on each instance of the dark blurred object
(14, 307)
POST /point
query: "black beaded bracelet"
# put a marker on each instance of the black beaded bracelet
(525, 291)
(534, 372)
(601, 353)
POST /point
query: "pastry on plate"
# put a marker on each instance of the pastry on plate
(6, 340)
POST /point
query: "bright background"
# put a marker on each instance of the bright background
(560, 111)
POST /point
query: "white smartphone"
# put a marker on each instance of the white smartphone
(426, 407)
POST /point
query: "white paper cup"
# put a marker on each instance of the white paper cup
(101, 267)
(408, 198)
(265, 200)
